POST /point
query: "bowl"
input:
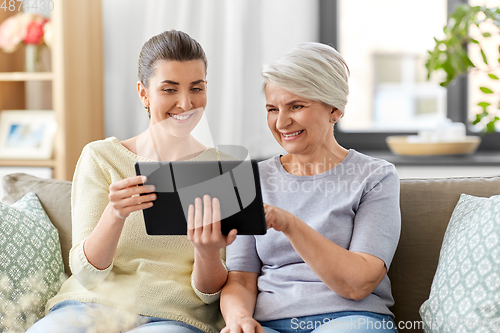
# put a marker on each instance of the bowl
(401, 146)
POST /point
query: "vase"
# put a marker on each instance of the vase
(34, 61)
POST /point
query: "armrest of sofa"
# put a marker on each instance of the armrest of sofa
(426, 208)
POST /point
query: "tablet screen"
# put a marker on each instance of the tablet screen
(235, 183)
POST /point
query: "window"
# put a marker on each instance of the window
(385, 43)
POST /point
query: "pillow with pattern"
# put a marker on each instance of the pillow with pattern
(465, 291)
(31, 266)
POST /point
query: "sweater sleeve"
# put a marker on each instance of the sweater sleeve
(89, 198)
(377, 224)
(206, 298)
(209, 298)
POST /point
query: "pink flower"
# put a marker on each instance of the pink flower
(34, 33)
(25, 28)
(12, 32)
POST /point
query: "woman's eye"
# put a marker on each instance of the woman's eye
(297, 107)
(272, 110)
(197, 89)
(169, 90)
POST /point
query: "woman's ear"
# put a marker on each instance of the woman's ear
(141, 90)
(335, 114)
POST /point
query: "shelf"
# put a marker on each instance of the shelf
(73, 88)
(26, 76)
(28, 163)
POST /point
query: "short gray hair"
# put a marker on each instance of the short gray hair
(314, 71)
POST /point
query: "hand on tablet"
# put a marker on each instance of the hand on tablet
(124, 196)
(204, 226)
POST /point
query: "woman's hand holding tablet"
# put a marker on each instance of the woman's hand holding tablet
(204, 226)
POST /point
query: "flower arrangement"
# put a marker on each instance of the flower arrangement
(26, 28)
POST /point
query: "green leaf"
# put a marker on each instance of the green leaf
(484, 57)
(486, 90)
(493, 76)
(480, 117)
(486, 34)
(475, 41)
(484, 105)
(490, 126)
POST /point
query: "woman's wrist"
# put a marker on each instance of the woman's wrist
(207, 255)
(236, 317)
(292, 225)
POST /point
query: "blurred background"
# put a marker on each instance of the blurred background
(384, 42)
(238, 37)
(96, 44)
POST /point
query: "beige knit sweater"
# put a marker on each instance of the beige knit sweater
(150, 275)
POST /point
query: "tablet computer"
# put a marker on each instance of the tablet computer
(235, 183)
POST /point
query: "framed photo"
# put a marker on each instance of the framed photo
(27, 134)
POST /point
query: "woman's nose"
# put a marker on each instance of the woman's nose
(185, 102)
(284, 120)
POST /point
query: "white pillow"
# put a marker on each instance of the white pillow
(465, 291)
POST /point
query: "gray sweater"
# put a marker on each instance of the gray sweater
(355, 205)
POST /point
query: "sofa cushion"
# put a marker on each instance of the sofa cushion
(465, 292)
(426, 208)
(31, 266)
(55, 197)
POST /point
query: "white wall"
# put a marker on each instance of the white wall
(238, 37)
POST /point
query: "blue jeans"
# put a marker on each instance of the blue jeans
(75, 317)
(338, 322)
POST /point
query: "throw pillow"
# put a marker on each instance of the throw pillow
(465, 292)
(31, 266)
(55, 196)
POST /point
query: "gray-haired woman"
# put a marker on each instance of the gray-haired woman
(124, 279)
(333, 215)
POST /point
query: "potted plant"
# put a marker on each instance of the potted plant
(450, 55)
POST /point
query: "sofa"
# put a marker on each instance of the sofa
(426, 208)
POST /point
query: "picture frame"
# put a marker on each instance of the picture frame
(27, 134)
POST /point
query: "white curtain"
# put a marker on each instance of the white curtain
(238, 36)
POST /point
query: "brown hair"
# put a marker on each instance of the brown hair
(169, 45)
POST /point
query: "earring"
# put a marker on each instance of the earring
(148, 111)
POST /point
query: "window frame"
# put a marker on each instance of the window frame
(456, 94)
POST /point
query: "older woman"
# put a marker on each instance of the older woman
(333, 215)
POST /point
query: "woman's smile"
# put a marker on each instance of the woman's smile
(289, 136)
(182, 117)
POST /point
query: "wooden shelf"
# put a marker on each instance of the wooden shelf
(28, 163)
(26, 76)
(74, 86)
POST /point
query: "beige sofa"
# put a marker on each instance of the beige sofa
(426, 207)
